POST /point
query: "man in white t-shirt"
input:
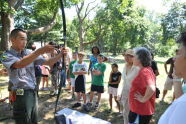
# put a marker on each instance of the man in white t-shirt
(80, 70)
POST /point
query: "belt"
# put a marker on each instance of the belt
(21, 92)
(29, 89)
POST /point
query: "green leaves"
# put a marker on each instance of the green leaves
(4, 7)
(174, 23)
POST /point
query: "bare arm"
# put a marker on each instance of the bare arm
(31, 57)
(53, 60)
(96, 72)
(110, 79)
(148, 94)
(80, 73)
(165, 65)
(89, 67)
(117, 82)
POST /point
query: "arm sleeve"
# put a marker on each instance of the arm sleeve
(123, 73)
(119, 73)
(178, 115)
(103, 68)
(174, 114)
(148, 77)
(74, 68)
(8, 60)
(168, 61)
(86, 68)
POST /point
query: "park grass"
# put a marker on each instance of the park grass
(47, 103)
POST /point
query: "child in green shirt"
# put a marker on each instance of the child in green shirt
(72, 76)
(98, 80)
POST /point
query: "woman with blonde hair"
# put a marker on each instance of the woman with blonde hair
(129, 73)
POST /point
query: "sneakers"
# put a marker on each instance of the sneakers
(96, 105)
(76, 105)
(88, 106)
(41, 89)
(110, 110)
(85, 107)
(46, 89)
(120, 114)
(55, 92)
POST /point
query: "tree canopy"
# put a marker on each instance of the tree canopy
(116, 26)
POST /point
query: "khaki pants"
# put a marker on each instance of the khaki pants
(125, 104)
(126, 110)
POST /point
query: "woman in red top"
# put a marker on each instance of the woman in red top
(142, 92)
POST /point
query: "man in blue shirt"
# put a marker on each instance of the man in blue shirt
(20, 64)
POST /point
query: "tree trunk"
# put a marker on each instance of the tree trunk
(115, 47)
(7, 27)
(7, 20)
(81, 36)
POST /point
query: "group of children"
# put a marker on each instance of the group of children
(78, 70)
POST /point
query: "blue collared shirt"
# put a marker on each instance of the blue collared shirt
(21, 78)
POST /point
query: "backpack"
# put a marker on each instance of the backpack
(38, 71)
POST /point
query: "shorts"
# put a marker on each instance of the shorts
(99, 89)
(44, 75)
(80, 84)
(112, 91)
(168, 84)
(72, 80)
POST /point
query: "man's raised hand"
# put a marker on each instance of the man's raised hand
(46, 49)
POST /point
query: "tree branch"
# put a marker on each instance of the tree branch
(78, 12)
(88, 26)
(87, 11)
(88, 6)
(45, 28)
(25, 10)
(96, 39)
(18, 4)
(12, 2)
(79, 9)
